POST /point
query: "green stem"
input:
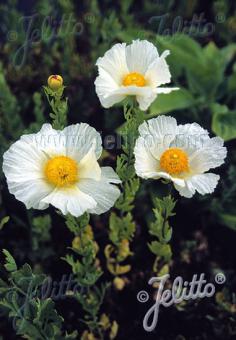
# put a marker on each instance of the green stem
(59, 107)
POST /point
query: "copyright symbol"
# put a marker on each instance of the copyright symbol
(142, 296)
(220, 278)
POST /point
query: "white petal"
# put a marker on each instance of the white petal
(145, 164)
(134, 91)
(104, 193)
(165, 90)
(144, 95)
(23, 161)
(105, 83)
(186, 191)
(115, 96)
(23, 168)
(146, 101)
(105, 86)
(114, 63)
(193, 129)
(79, 140)
(30, 192)
(110, 175)
(158, 72)
(158, 134)
(88, 167)
(111, 99)
(210, 155)
(70, 200)
(178, 181)
(159, 127)
(190, 137)
(140, 55)
(203, 183)
(48, 140)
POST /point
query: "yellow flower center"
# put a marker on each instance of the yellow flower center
(134, 78)
(61, 171)
(174, 161)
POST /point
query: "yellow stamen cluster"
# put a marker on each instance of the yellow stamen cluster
(135, 79)
(61, 171)
(174, 161)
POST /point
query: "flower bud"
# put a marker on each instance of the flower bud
(89, 232)
(124, 250)
(55, 82)
(114, 330)
(88, 336)
(119, 283)
(104, 321)
(76, 243)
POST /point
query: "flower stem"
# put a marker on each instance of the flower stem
(58, 105)
(122, 225)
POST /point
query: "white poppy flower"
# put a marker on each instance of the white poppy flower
(133, 70)
(180, 153)
(61, 168)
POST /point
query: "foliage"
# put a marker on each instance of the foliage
(33, 316)
(59, 107)
(86, 270)
(122, 227)
(161, 230)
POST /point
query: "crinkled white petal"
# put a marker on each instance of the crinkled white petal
(158, 71)
(70, 201)
(140, 55)
(203, 184)
(159, 127)
(30, 192)
(134, 91)
(145, 101)
(79, 139)
(110, 175)
(88, 167)
(190, 137)
(105, 87)
(51, 142)
(209, 156)
(111, 99)
(165, 90)
(105, 83)
(146, 164)
(22, 166)
(74, 141)
(158, 134)
(176, 180)
(23, 158)
(104, 193)
(144, 95)
(114, 63)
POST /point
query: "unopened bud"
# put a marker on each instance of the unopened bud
(55, 82)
